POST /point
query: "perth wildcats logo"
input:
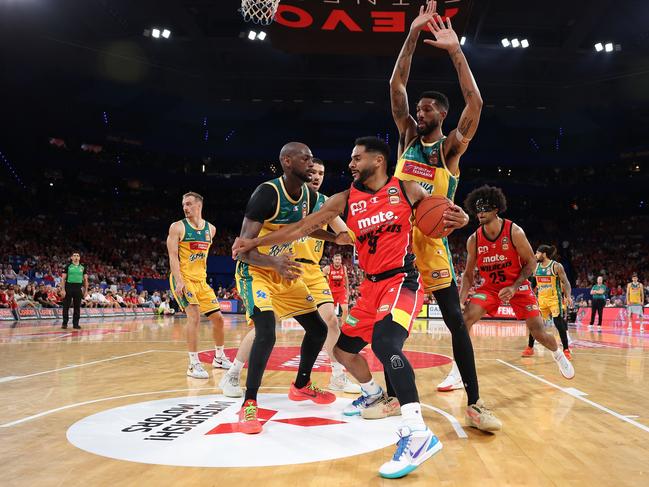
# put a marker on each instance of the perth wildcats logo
(201, 431)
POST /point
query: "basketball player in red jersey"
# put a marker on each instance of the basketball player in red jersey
(378, 210)
(338, 283)
(504, 258)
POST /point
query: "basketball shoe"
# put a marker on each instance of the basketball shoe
(383, 408)
(567, 353)
(341, 383)
(310, 392)
(197, 371)
(248, 422)
(479, 416)
(528, 352)
(565, 367)
(221, 362)
(362, 402)
(413, 449)
(453, 380)
(231, 385)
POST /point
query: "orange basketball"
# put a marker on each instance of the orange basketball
(429, 216)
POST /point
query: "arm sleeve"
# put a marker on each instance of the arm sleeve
(262, 203)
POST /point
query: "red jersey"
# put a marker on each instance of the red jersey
(498, 261)
(337, 278)
(382, 223)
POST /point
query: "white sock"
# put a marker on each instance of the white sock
(193, 358)
(337, 368)
(412, 418)
(218, 351)
(236, 368)
(371, 388)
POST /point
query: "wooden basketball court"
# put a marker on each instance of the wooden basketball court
(588, 431)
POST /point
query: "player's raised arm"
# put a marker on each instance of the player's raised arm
(459, 138)
(468, 276)
(399, 79)
(333, 207)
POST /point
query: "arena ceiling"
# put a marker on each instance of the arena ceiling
(65, 62)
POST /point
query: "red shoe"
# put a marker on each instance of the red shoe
(528, 352)
(312, 392)
(567, 353)
(248, 422)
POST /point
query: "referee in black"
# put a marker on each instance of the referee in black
(74, 285)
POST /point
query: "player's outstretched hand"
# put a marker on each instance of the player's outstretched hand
(455, 217)
(506, 293)
(288, 268)
(343, 238)
(425, 16)
(445, 36)
(242, 245)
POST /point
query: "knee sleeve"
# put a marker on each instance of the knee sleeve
(314, 326)
(388, 338)
(264, 328)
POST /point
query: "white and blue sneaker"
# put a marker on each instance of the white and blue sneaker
(413, 449)
(362, 402)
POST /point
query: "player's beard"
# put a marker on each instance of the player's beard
(304, 176)
(365, 174)
(427, 129)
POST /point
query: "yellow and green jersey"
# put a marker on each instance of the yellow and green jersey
(192, 251)
(548, 285)
(634, 294)
(307, 248)
(286, 211)
(424, 163)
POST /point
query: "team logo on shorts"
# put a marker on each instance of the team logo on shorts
(215, 301)
(383, 308)
(261, 294)
(440, 273)
(481, 296)
(189, 294)
(351, 321)
(326, 291)
(396, 362)
(309, 298)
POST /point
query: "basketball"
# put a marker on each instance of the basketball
(429, 216)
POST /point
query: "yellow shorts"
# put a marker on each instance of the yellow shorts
(196, 292)
(317, 283)
(550, 308)
(434, 261)
(267, 291)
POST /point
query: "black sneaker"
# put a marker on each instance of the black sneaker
(64, 327)
(76, 327)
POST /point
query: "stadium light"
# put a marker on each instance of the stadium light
(599, 47)
(462, 40)
(166, 33)
(525, 44)
(515, 43)
(505, 42)
(252, 35)
(608, 47)
(261, 36)
(155, 33)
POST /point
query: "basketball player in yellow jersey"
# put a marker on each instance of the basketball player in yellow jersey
(308, 252)
(635, 301)
(433, 160)
(188, 244)
(553, 290)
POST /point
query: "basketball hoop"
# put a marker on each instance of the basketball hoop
(259, 11)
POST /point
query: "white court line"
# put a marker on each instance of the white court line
(451, 419)
(16, 377)
(581, 398)
(454, 422)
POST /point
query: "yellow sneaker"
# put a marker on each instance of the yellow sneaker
(384, 407)
(478, 416)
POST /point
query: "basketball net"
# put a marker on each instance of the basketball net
(259, 11)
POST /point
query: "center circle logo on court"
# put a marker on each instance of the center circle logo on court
(201, 431)
(288, 358)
